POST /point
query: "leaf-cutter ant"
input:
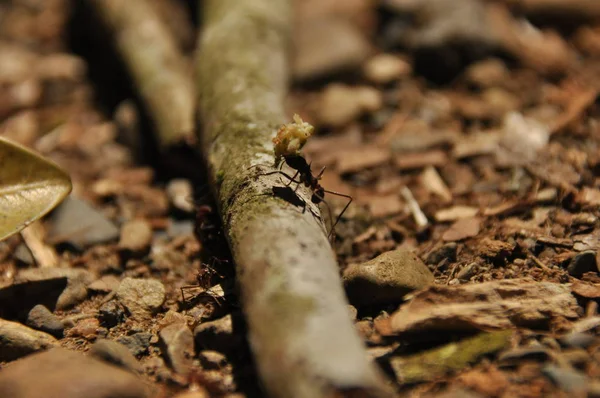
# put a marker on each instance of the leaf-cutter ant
(306, 177)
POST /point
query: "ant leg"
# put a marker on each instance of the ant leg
(318, 177)
(345, 207)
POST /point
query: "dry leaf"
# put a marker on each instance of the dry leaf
(489, 305)
(30, 187)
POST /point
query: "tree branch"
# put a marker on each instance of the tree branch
(300, 332)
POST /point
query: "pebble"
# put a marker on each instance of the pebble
(86, 328)
(327, 46)
(81, 225)
(216, 335)
(385, 68)
(137, 343)
(566, 379)
(105, 284)
(341, 104)
(67, 374)
(111, 314)
(74, 292)
(487, 73)
(446, 251)
(18, 340)
(116, 354)
(578, 339)
(136, 237)
(180, 193)
(141, 297)
(178, 346)
(582, 263)
(386, 278)
(41, 318)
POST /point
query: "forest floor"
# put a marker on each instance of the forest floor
(474, 145)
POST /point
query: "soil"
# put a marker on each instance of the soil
(481, 161)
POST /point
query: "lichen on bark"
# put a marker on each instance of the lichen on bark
(301, 335)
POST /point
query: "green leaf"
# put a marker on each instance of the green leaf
(30, 186)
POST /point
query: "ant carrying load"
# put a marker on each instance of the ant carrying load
(288, 142)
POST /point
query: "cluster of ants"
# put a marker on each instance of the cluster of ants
(289, 140)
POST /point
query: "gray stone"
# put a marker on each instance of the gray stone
(178, 346)
(18, 340)
(79, 224)
(326, 46)
(137, 343)
(142, 297)
(40, 318)
(136, 237)
(116, 354)
(75, 290)
(578, 339)
(67, 374)
(566, 379)
(386, 279)
(582, 263)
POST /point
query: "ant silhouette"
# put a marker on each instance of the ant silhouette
(209, 233)
(306, 178)
(204, 280)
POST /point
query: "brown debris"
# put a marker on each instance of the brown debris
(462, 229)
(484, 306)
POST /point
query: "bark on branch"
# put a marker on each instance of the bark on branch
(157, 66)
(303, 340)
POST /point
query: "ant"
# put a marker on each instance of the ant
(204, 279)
(306, 177)
(209, 233)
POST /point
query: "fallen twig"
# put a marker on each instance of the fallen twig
(303, 340)
(156, 65)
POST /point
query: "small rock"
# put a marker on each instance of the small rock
(137, 343)
(180, 194)
(178, 342)
(67, 374)
(341, 104)
(136, 237)
(446, 251)
(86, 328)
(111, 314)
(582, 263)
(326, 46)
(212, 360)
(17, 341)
(467, 272)
(105, 284)
(385, 68)
(566, 379)
(75, 290)
(40, 318)
(79, 224)
(578, 339)
(142, 297)
(116, 354)
(386, 279)
(216, 335)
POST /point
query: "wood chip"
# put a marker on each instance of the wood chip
(387, 205)
(362, 158)
(462, 229)
(477, 144)
(489, 305)
(419, 160)
(432, 182)
(590, 196)
(587, 290)
(456, 213)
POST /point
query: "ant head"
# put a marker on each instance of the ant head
(318, 195)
